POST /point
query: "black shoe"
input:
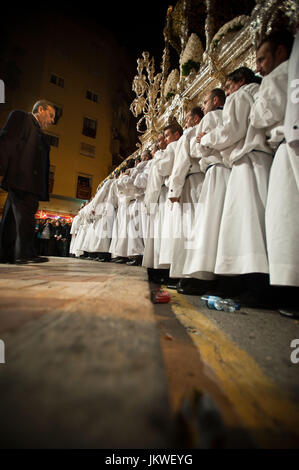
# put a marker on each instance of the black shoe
(135, 261)
(195, 286)
(131, 262)
(172, 283)
(121, 260)
(105, 258)
(158, 276)
(7, 261)
(35, 260)
(287, 312)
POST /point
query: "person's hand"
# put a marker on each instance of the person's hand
(174, 199)
(200, 136)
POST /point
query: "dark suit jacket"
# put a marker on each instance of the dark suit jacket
(24, 155)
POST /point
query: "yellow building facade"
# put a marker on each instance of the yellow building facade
(71, 64)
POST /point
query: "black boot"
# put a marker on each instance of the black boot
(192, 286)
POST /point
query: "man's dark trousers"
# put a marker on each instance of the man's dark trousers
(17, 228)
(24, 165)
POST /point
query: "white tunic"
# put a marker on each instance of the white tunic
(241, 244)
(91, 236)
(291, 123)
(185, 182)
(201, 247)
(74, 230)
(119, 242)
(99, 202)
(282, 222)
(135, 208)
(155, 182)
(155, 198)
(84, 223)
(166, 228)
(138, 216)
(105, 215)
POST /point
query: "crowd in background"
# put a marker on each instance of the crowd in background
(52, 237)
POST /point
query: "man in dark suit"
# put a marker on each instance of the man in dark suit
(24, 174)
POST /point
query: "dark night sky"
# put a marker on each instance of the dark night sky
(137, 28)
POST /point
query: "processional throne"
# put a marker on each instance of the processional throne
(204, 41)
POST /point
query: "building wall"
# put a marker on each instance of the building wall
(85, 58)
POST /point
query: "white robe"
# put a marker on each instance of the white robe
(105, 215)
(242, 244)
(135, 206)
(74, 230)
(201, 247)
(282, 222)
(141, 183)
(151, 198)
(185, 182)
(84, 224)
(137, 211)
(155, 198)
(91, 236)
(119, 242)
(98, 204)
(291, 122)
(166, 228)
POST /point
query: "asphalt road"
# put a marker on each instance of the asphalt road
(91, 362)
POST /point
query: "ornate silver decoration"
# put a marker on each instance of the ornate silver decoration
(148, 93)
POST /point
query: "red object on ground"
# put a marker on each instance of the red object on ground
(160, 297)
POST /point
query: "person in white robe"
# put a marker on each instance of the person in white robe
(242, 243)
(185, 183)
(272, 111)
(74, 231)
(130, 237)
(84, 223)
(201, 248)
(89, 241)
(91, 244)
(141, 183)
(156, 199)
(137, 221)
(105, 216)
(119, 242)
(151, 197)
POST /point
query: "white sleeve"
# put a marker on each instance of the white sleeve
(291, 124)
(141, 180)
(269, 103)
(235, 122)
(181, 166)
(164, 166)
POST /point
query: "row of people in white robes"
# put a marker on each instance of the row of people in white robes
(205, 205)
(217, 225)
(114, 221)
(234, 224)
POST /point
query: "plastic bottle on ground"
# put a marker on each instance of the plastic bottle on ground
(214, 302)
